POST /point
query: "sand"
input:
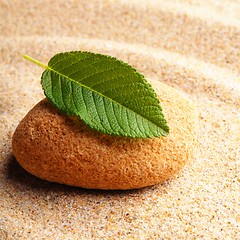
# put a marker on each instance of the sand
(193, 46)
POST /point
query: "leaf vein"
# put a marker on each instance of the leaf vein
(86, 66)
(104, 71)
(67, 57)
(115, 115)
(109, 122)
(59, 77)
(116, 77)
(73, 99)
(95, 106)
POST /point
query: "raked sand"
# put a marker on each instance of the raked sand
(193, 46)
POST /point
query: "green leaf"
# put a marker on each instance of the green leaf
(107, 94)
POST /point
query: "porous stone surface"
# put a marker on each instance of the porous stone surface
(62, 149)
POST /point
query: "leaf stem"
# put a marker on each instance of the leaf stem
(35, 61)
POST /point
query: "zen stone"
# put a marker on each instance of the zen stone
(62, 149)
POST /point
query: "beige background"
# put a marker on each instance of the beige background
(193, 46)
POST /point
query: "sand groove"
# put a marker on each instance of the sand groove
(170, 28)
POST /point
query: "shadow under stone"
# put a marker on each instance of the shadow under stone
(17, 175)
(20, 178)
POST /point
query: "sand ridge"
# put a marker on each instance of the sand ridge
(196, 54)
